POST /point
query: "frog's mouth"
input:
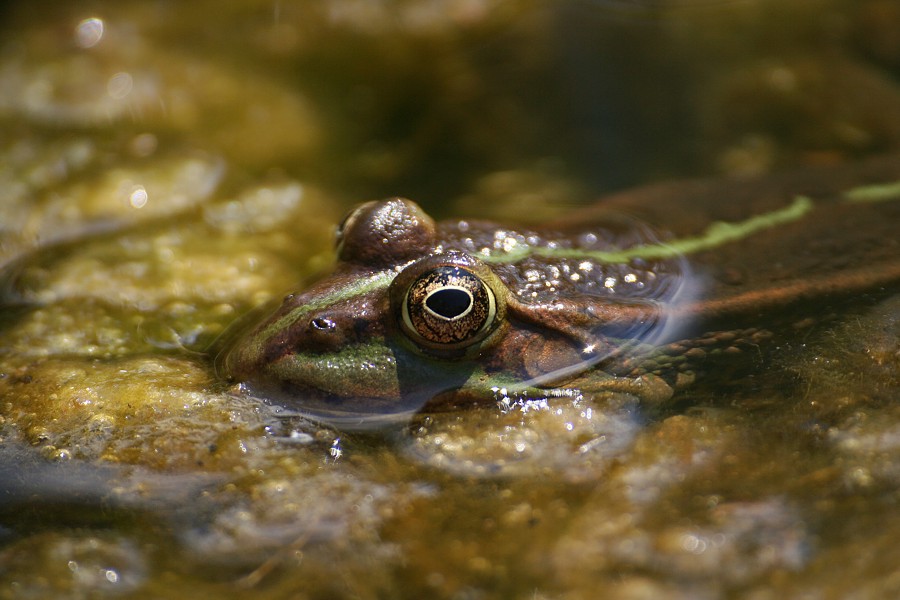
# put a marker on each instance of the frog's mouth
(346, 413)
(374, 381)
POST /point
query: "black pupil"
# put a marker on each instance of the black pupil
(449, 303)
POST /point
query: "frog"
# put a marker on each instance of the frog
(627, 296)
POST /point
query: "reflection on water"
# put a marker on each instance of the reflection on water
(167, 166)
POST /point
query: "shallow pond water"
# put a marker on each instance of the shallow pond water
(166, 167)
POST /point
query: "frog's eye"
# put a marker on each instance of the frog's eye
(450, 304)
(448, 307)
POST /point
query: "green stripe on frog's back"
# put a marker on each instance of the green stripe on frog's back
(874, 193)
(844, 246)
(715, 236)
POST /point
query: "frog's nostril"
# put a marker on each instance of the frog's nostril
(322, 324)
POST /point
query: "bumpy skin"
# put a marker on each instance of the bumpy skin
(845, 242)
(561, 294)
(576, 303)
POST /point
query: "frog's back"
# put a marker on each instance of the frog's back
(760, 243)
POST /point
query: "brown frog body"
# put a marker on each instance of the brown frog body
(417, 309)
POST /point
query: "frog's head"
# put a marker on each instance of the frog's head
(415, 309)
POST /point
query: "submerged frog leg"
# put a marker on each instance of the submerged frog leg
(649, 388)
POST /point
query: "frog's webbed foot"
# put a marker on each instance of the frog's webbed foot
(648, 388)
(651, 389)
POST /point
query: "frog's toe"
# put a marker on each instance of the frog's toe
(648, 387)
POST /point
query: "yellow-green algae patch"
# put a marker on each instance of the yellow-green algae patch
(154, 412)
(102, 200)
